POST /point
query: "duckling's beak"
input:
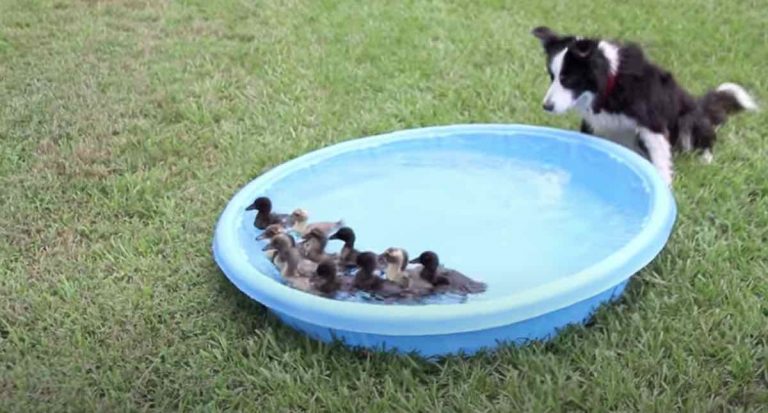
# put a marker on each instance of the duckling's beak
(416, 260)
(268, 247)
(261, 236)
(251, 207)
(334, 236)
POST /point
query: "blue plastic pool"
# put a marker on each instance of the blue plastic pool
(555, 222)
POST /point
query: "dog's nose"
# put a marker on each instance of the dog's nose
(547, 106)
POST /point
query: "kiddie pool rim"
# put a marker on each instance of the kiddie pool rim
(445, 318)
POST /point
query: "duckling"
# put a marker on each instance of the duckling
(296, 265)
(300, 217)
(280, 242)
(313, 246)
(296, 271)
(446, 279)
(366, 280)
(270, 231)
(277, 244)
(264, 214)
(271, 254)
(348, 254)
(396, 269)
(396, 261)
(326, 281)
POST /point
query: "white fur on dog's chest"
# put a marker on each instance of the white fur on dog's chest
(616, 127)
(610, 123)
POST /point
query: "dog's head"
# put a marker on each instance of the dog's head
(579, 69)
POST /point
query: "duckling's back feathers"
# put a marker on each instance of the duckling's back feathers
(458, 282)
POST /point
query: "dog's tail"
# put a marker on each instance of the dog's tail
(728, 99)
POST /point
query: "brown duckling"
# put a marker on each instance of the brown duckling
(366, 280)
(326, 282)
(313, 246)
(270, 231)
(446, 279)
(296, 265)
(348, 254)
(264, 214)
(297, 271)
(300, 218)
(277, 244)
(271, 255)
(288, 259)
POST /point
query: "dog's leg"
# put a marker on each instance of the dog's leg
(686, 140)
(585, 128)
(659, 151)
(685, 133)
(704, 134)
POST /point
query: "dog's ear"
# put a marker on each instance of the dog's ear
(545, 34)
(550, 40)
(584, 48)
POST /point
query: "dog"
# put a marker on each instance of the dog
(621, 96)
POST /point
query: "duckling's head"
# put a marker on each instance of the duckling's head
(327, 270)
(262, 204)
(280, 242)
(428, 259)
(271, 231)
(315, 233)
(396, 256)
(367, 261)
(344, 234)
(300, 215)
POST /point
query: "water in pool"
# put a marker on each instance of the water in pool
(511, 223)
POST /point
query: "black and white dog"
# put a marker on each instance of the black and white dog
(623, 96)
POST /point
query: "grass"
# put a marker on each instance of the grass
(126, 125)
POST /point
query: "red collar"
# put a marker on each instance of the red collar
(610, 84)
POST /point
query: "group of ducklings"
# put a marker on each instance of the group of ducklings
(308, 267)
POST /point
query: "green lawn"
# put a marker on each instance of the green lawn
(126, 125)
